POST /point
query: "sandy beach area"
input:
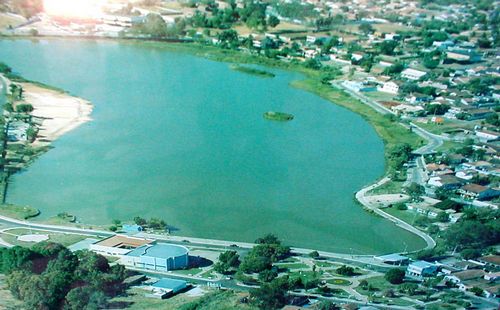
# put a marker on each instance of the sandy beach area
(59, 112)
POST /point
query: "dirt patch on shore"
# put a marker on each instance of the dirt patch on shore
(59, 112)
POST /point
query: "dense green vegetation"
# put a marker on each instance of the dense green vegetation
(395, 276)
(267, 251)
(49, 276)
(228, 262)
(476, 230)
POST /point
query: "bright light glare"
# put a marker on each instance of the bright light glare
(73, 8)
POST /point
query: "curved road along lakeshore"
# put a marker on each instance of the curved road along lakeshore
(361, 197)
(362, 259)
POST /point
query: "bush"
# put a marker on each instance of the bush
(477, 291)
(314, 254)
(401, 206)
(345, 271)
(24, 108)
(395, 276)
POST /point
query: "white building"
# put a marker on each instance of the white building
(486, 136)
(310, 53)
(412, 74)
(118, 245)
(421, 269)
(389, 87)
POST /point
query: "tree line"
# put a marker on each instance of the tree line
(49, 276)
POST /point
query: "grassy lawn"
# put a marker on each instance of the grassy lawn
(292, 266)
(324, 264)
(405, 215)
(64, 239)
(449, 126)
(305, 275)
(449, 145)
(393, 301)
(379, 96)
(18, 212)
(342, 282)
(186, 272)
(209, 274)
(336, 292)
(391, 187)
(378, 284)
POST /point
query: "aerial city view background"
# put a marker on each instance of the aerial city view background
(274, 154)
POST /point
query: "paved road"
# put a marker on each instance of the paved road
(417, 174)
(54, 228)
(372, 103)
(3, 89)
(362, 198)
(434, 141)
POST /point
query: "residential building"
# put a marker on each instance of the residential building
(445, 182)
(390, 87)
(492, 261)
(487, 136)
(479, 192)
(462, 55)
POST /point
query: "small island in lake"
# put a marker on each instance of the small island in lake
(278, 116)
(253, 71)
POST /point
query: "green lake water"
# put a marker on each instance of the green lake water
(183, 138)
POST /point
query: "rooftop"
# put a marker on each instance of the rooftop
(119, 241)
(474, 188)
(422, 264)
(170, 284)
(162, 250)
(469, 274)
(491, 259)
(392, 258)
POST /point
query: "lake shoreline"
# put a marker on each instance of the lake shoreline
(311, 83)
(59, 112)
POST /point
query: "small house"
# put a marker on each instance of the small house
(390, 87)
(479, 192)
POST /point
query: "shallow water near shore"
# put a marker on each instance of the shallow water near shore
(183, 138)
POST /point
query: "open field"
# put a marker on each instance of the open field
(10, 236)
(391, 187)
(449, 126)
(18, 212)
(9, 19)
(223, 300)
